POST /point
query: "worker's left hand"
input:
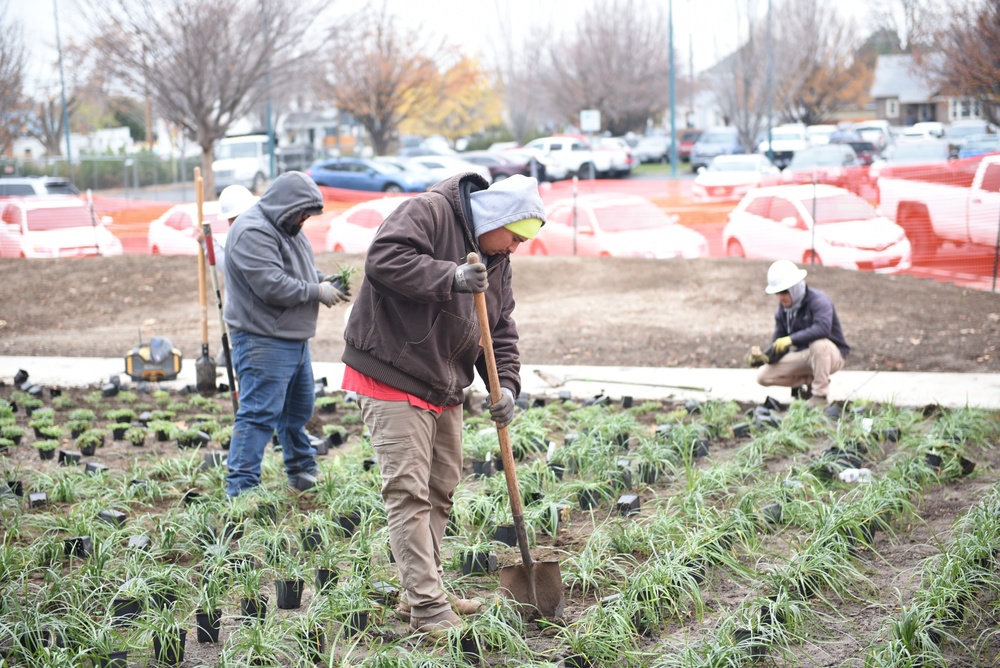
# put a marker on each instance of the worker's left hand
(782, 344)
(338, 282)
(502, 412)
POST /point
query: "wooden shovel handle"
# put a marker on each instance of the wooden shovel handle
(202, 287)
(506, 452)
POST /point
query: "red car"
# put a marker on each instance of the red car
(687, 142)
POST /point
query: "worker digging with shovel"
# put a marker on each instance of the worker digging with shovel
(413, 343)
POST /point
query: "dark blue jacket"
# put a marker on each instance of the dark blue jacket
(816, 319)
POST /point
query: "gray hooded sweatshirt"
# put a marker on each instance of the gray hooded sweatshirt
(272, 284)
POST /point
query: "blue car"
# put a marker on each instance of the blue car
(362, 174)
(716, 141)
(977, 145)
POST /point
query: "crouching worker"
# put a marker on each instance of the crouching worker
(808, 345)
(413, 346)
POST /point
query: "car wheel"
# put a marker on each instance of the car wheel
(393, 188)
(735, 249)
(586, 171)
(811, 257)
(538, 248)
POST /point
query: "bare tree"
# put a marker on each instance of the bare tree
(380, 73)
(815, 69)
(970, 45)
(13, 62)
(516, 68)
(616, 62)
(911, 21)
(740, 81)
(205, 63)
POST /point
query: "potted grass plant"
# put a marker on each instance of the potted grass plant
(212, 590)
(46, 448)
(13, 432)
(89, 441)
(253, 601)
(290, 581)
(136, 436)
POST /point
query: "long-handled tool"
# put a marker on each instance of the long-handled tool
(537, 586)
(206, 230)
(556, 381)
(204, 368)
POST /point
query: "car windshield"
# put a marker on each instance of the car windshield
(41, 220)
(716, 137)
(630, 216)
(57, 188)
(839, 209)
(964, 130)
(862, 146)
(390, 167)
(803, 159)
(989, 143)
(243, 149)
(785, 136)
(745, 165)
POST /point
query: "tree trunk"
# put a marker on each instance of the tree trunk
(207, 158)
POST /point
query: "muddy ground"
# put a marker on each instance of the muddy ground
(593, 311)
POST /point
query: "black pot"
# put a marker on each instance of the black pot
(16, 487)
(289, 593)
(577, 661)
(88, 450)
(315, 644)
(478, 563)
(80, 546)
(482, 469)
(46, 454)
(506, 534)
(588, 498)
(114, 660)
(169, 649)
(118, 431)
(162, 599)
(469, 649)
(37, 499)
(628, 504)
(208, 624)
(771, 513)
(254, 608)
(125, 610)
(968, 466)
(325, 577)
(69, 457)
(750, 641)
(648, 473)
(163, 436)
(356, 622)
(349, 523)
(312, 539)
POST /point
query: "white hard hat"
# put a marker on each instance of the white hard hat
(782, 275)
(234, 200)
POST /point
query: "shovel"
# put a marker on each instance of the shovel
(204, 368)
(206, 230)
(537, 587)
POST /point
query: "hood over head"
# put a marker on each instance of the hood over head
(288, 197)
(509, 201)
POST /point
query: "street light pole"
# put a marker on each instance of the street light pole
(770, 87)
(62, 83)
(673, 101)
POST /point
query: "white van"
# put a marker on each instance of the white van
(242, 160)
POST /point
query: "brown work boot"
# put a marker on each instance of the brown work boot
(816, 401)
(462, 606)
(435, 626)
(465, 606)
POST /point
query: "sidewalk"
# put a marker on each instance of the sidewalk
(952, 390)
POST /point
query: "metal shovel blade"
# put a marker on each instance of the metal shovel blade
(515, 583)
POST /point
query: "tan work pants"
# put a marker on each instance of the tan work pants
(813, 366)
(419, 453)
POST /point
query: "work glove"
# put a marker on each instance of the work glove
(329, 295)
(470, 278)
(782, 345)
(502, 412)
(336, 281)
(755, 358)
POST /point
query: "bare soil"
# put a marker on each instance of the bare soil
(593, 311)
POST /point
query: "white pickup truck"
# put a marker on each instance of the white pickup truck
(958, 203)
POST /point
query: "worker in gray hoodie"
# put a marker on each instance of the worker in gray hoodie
(413, 346)
(273, 293)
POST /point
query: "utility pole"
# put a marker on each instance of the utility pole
(770, 87)
(62, 83)
(267, 82)
(673, 101)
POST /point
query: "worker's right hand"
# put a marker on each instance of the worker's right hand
(329, 295)
(470, 278)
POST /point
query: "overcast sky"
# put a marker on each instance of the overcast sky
(705, 29)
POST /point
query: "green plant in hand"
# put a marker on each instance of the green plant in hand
(341, 279)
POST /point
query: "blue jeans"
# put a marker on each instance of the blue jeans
(277, 392)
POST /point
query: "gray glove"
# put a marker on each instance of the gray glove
(470, 278)
(502, 412)
(329, 295)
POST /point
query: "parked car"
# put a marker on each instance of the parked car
(443, 166)
(53, 226)
(27, 186)
(500, 164)
(979, 145)
(369, 175)
(353, 230)
(686, 144)
(547, 169)
(784, 142)
(617, 225)
(911, 156)
(176, 231)
(959, 132)
(866, 151)
(574, 153)
(621, 160)
(819, 135)
(730, 177)
(778, 223)
(877, 132)
(834, 164)
(653, 148)
(722, 140)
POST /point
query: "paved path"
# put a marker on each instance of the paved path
(900, 388)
